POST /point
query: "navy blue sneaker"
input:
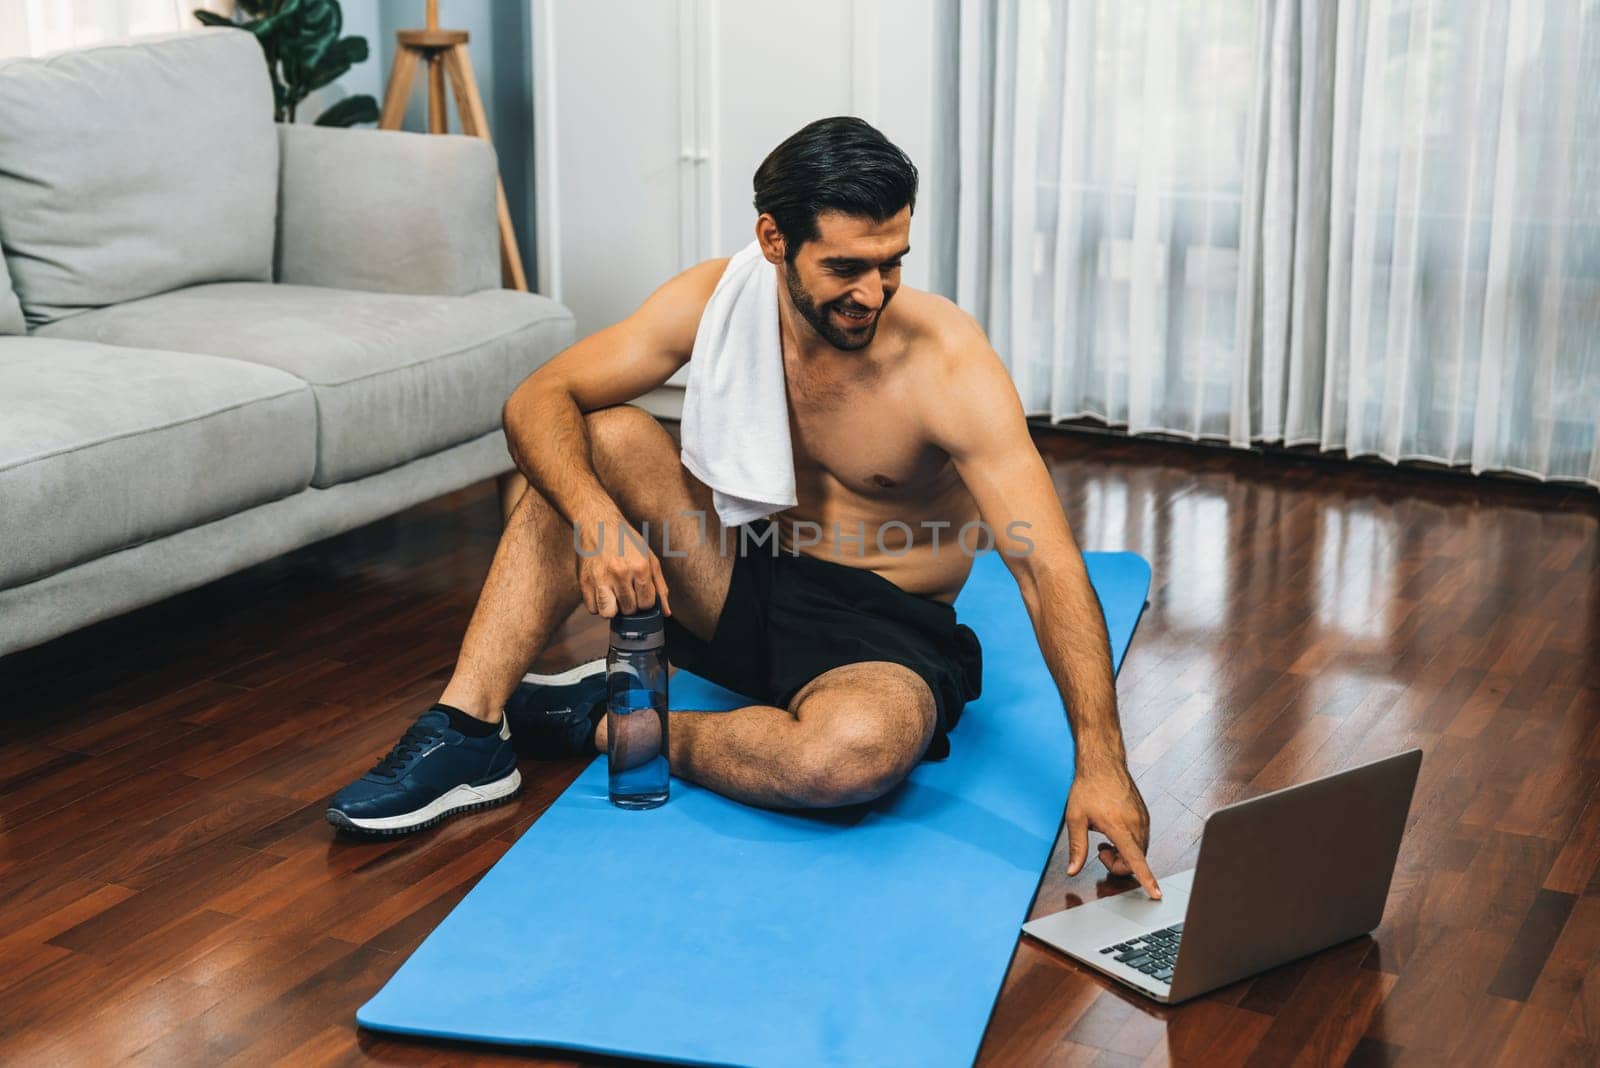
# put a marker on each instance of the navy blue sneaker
(435, 770)
(554, 716)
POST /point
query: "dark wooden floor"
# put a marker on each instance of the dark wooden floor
(172, 896)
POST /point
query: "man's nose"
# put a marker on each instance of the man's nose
(868, 295)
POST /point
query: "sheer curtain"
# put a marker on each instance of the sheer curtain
(1371, 225)
(33, 27)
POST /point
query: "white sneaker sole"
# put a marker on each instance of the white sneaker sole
(459, 799)
(569, 676)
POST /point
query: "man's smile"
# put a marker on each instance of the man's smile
(856, 321)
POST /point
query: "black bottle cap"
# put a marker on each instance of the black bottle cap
(638, 624)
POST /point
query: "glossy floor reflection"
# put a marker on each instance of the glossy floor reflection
(1306, 616)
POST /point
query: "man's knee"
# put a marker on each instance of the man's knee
(620, 431)
(864, 749)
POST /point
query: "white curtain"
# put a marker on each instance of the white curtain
(34, 27)
(1369, 225)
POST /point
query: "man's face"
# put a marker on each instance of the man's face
(841, 282)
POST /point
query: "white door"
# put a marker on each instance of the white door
(607, 141)
(651, 118)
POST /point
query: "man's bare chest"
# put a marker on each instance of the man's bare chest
(865, 441)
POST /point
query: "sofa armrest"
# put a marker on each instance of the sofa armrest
(387, 211)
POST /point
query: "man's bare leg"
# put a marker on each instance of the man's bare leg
(532, 584)
(531, 589)
(510, 487)
(855, 732)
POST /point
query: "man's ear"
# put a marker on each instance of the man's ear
(773, 245)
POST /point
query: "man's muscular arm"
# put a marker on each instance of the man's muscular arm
(549, 440)
(973, 413)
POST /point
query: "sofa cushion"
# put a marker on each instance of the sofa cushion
(341, 191)
(11, 321)
(102, 447)
(136, 167)
(396, 377)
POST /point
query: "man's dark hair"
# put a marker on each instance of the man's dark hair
(839, 164)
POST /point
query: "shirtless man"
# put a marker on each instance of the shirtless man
(902, 419)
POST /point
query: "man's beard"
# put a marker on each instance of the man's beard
(822, 321)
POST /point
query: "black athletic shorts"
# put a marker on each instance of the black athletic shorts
(790, 617)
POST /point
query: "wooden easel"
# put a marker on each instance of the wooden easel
(445, 52)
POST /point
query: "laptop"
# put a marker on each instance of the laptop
(1279, 876)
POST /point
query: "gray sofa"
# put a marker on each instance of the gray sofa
(221, 338)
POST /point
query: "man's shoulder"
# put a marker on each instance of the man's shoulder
(672, 313)
(937, 325)
(956, 361)
(945, 338)
(694, 285)
(707, 272)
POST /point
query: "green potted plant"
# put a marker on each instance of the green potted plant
(304, 52)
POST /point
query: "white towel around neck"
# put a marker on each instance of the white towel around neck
(735, 428)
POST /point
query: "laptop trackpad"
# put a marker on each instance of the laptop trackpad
(1138, 908)
(1134, 905)
(1075, 929)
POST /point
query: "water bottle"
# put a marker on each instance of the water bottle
(636, 710)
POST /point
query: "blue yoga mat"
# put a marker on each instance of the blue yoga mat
(707, 931)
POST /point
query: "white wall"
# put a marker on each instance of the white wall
(622, 89)
(783, 65)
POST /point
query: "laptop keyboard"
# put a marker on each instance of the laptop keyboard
(1153, 954)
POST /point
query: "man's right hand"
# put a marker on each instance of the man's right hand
(619, 574)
